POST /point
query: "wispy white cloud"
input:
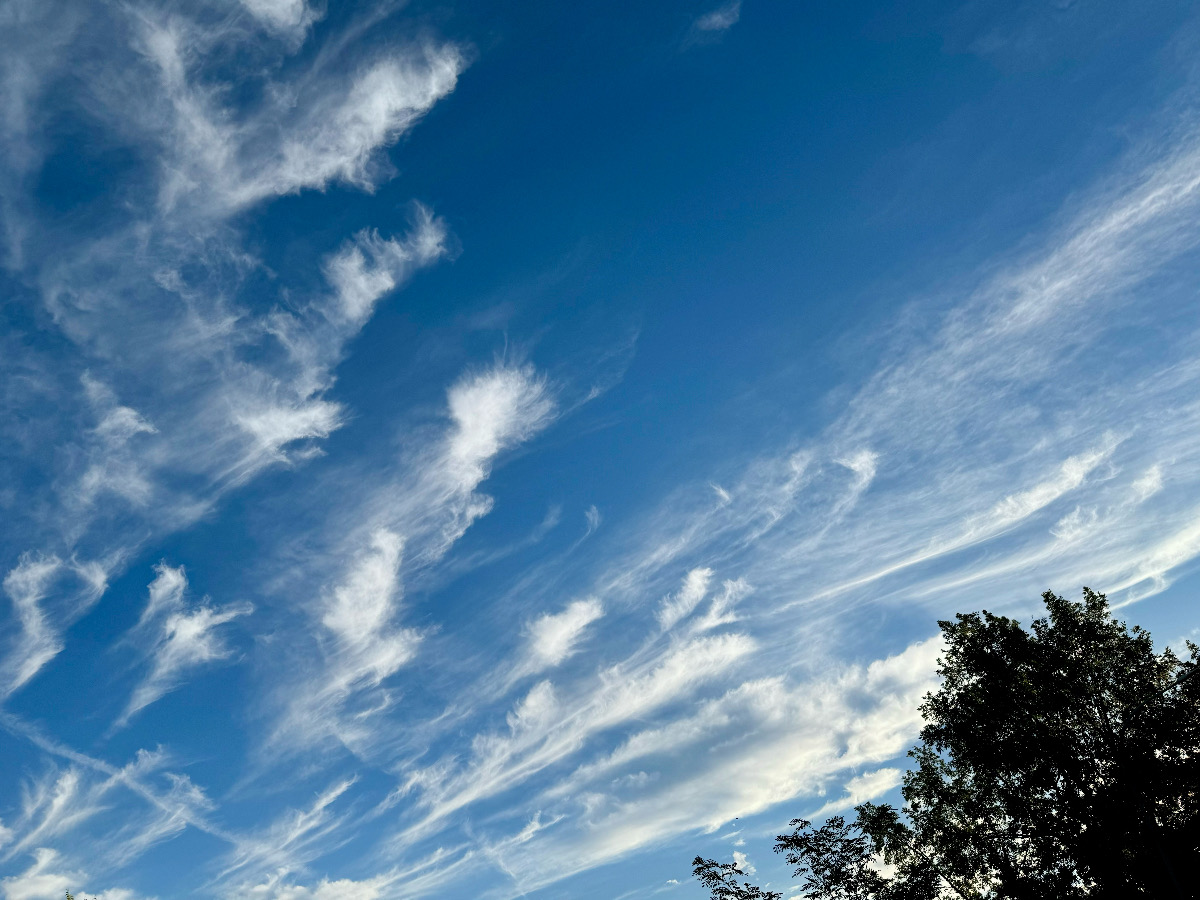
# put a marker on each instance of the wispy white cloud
(73, 806)
(35, 585)
(406, 521)
(113, 468)
(180, 801)
(492, 411)
(276, 888)
(175, 638)
(710, 27)
(721, 610)
(720, 19)
(27, 586)
(860, 789)
(312, 134)
(371, 267)
(688, 597)
(290, 18)
(291, 840)
(489, 411)
(276, 411)
(203, 408)
(51, 807)
(413, 880)
(48, 879)
(943, 419)
(768, 741)
(340, 137)
(545, 729)
(365, 645)
(361, 610)
(554, 636)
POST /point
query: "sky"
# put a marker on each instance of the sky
(505, 449)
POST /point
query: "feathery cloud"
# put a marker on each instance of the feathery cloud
(290, 18)
(720, 19)
(175, 638)
(221, 165)
(37, 585)
(292, 840)
(553, 636)
(712, 25)
(681, 604)
(371, 267)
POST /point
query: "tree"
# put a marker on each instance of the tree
(722, 881)
(1057, 762)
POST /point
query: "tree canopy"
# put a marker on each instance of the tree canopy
(1059, 761)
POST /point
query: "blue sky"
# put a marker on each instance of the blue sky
(495, 450)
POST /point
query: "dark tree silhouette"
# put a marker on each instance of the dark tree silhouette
(721, 879)
(1057, 762)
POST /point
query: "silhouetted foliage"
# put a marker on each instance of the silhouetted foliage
(1057, 762)
(721, 879)
(834, 860)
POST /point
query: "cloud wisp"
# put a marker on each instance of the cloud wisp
(47, 593)
(710, 26)
(175, 637)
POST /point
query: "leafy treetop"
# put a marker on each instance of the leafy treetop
(1057, 762)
